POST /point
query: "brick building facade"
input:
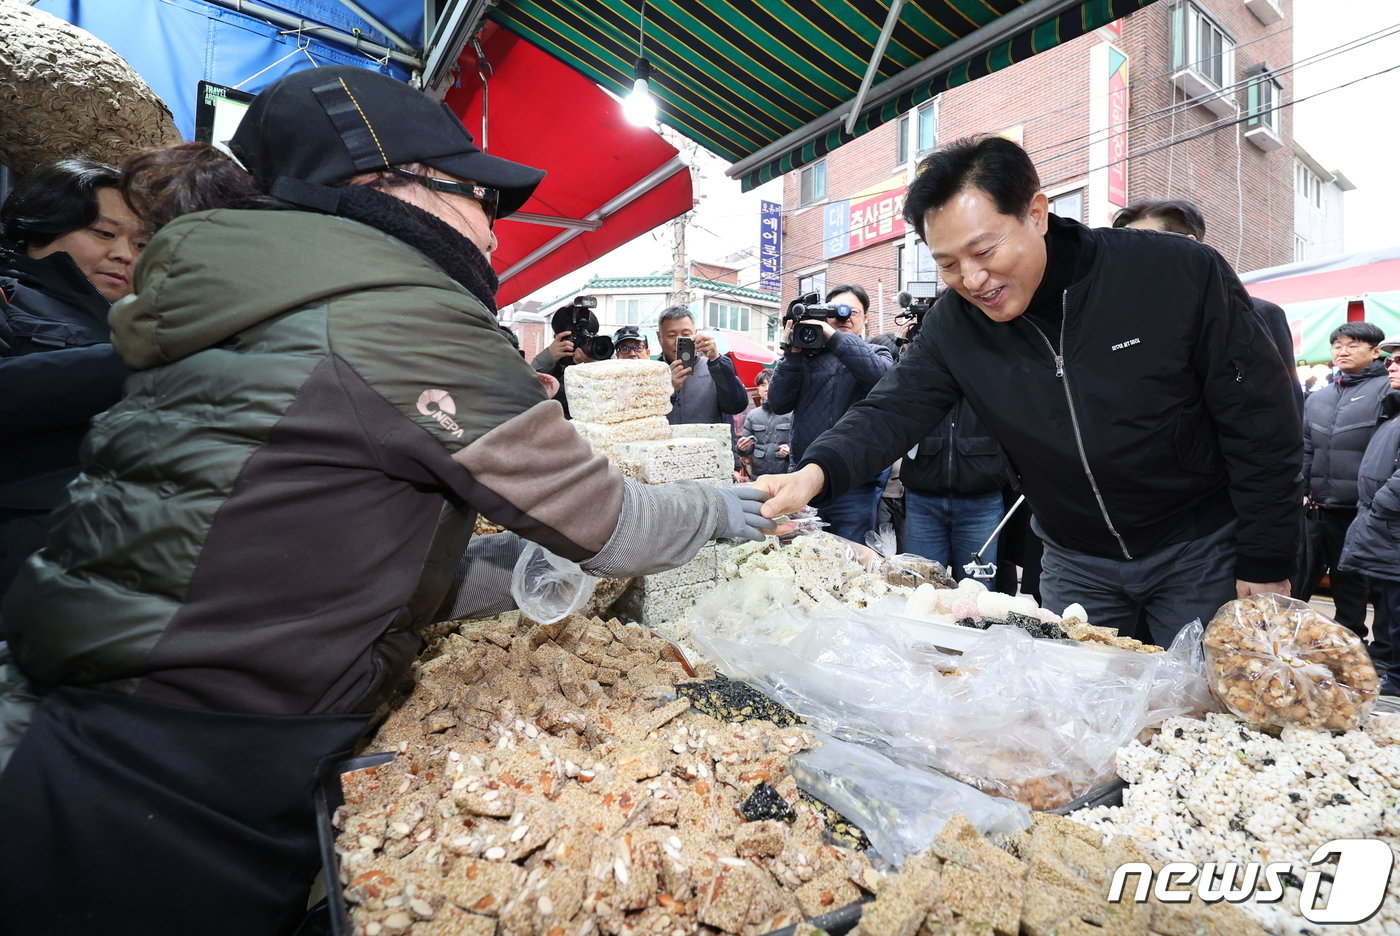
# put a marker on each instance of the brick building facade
(1174, 71)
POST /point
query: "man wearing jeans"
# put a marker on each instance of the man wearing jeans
(952, 492)
(1126, 376)
(818, 385)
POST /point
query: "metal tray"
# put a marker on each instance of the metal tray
(329, 798)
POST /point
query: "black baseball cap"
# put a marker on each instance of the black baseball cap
(320, 126)
(629, 333)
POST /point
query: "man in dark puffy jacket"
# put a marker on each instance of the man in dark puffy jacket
(1125, 375)
(818, 387)
(1373, 540)
(952, 492)
(1338, 422)
(767, 435)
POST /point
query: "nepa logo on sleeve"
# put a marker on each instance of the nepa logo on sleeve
(438, 404)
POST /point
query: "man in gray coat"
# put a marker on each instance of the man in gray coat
(1338, 421)
(705, 394)
(1373, 539)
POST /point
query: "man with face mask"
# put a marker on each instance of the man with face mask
(1141, 406)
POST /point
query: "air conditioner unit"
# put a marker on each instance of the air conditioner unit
(1265, 11)
(1203, 91)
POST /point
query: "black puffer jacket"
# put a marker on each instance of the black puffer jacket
(57, 371)
(1166, 413)
(1337, 423)
(1373, 540)
(957, 459)
(819, 389)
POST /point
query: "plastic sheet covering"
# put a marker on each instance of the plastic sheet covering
(1036, 720)
(899, 568)
(900, 807)
(548, 588)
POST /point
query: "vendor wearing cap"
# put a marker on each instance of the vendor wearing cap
(630, 344)
(323, 401)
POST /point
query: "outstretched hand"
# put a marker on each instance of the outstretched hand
(790, 492)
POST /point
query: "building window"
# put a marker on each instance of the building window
(636, 311)
(1262, 98)
(928, 127)
(903, 147)
(1307, 184)
(921, 269)
(1201, 46)
(813, 183)
(1300, 248)
(812, 283)
(1068, 205)
(727, 316)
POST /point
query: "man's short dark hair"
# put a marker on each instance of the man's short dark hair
(854, 290)
(991, 163)
(1181, 217)
(764, 376)
(672, 313)
(53, 200)
(1361, 331)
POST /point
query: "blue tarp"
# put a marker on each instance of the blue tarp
(173, 44)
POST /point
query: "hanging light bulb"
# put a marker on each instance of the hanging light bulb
(639, 107)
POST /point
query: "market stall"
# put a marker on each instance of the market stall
(786, 731)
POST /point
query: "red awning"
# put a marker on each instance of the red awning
(1339, 277)
(608, 181)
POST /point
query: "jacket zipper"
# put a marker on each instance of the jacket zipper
(1074, 418)
(952, 434)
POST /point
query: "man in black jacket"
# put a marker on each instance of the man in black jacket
(1126, 377)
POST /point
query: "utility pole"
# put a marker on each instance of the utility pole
(680, 265)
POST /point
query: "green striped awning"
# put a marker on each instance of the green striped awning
(764, 82)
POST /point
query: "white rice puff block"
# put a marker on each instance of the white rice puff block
(618, 391)
(720, 434)
(603, 436)
(700, 570)
(668, 460)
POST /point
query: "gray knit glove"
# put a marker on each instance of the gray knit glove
(743, 520)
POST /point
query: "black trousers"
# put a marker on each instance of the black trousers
(1350, 591)
(122, 816)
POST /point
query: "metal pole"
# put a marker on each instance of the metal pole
(295, 23)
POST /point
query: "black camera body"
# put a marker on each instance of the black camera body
(579, 321)
(807, 316)
(916, 301)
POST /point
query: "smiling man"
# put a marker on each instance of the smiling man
(1124, 373)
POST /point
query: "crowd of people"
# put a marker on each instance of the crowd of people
(243, 472)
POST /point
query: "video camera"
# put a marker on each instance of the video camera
(578, 320)
(915, 301)
(807, 314)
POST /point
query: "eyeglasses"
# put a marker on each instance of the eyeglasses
(489, 198)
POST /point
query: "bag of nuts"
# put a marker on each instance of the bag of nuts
(1274, 661)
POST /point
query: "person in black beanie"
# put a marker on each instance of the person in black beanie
(322, 402)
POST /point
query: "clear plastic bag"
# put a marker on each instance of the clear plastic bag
(900, 807)
(1275, 662)
(548, 588)
(905, 569)
(1037, 719)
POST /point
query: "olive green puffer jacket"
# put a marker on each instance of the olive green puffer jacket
(254, 519)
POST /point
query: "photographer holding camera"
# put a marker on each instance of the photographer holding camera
(708, 394)
(829, 366)
(576, 341)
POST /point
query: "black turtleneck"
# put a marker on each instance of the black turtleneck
(1063, 261)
